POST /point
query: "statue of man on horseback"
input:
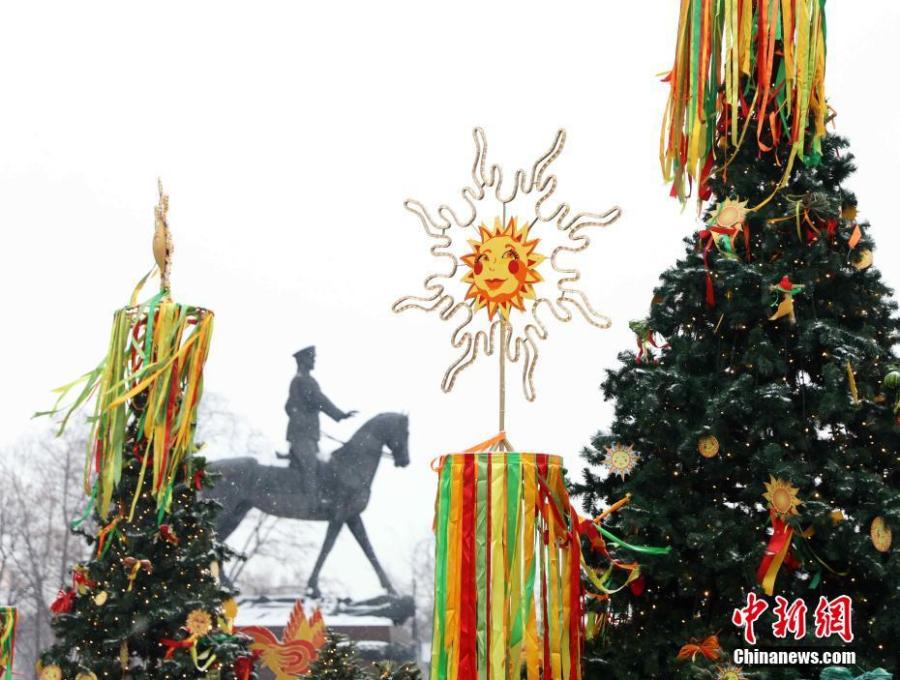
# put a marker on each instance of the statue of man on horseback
(305, 401)
(336, 492)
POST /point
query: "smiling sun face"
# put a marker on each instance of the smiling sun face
(502, 268)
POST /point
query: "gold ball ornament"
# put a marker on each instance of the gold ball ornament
(865, 260)
(881, 534)
(708, 446)
(86, 676)
(51, 672)
(101, 598)
(621, 460)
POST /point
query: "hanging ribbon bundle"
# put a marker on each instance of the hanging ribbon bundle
(508, 581)
(9, 617)
(152, 377)
(508, 590)
(739, 61)
(150, 382)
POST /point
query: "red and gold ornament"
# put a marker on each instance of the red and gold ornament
(783, 503)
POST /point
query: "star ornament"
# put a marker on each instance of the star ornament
(621, 460)
(782, 497)
(507, 256)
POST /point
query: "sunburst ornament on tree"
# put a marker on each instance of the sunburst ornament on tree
(729, 672)
(782, 497)
(510, 229)
(621, 460)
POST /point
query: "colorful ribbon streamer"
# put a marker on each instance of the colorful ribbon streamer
(9, 617)
(508, 591)
(156, 354)
(743, 60)
(778, 552)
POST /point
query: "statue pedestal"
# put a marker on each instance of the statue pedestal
(377, 637)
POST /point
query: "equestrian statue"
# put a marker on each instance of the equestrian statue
(336, 491)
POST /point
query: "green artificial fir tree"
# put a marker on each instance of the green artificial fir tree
(337, 660)
(766, 429)
(385, 670)
(148, 605)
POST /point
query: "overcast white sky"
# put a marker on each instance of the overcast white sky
(288, 136)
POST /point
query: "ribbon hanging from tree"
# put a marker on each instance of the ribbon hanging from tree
(743, 60)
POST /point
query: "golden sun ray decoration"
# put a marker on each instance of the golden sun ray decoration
(508, 229)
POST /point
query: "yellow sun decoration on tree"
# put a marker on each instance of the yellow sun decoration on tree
(782, 496)
(621, 460)
(502, 268)
(729, 672)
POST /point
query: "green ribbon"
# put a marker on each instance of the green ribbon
(645, 549)
(75, 523)
(163, 504)
(439, 646)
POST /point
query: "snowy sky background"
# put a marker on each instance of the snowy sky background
(288, 136)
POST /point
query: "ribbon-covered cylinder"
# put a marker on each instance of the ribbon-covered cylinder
(507, 570)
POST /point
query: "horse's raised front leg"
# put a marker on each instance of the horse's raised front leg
(312, 585)
(358, 529)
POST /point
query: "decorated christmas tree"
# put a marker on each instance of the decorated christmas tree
(148, 604)
(756, 426)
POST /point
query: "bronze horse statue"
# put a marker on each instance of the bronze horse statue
(345, 483)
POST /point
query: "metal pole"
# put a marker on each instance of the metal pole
(502, 375)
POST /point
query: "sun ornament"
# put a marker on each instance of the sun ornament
(503, 268)
(729, 672)
(198, 623)
(782, 497)
(51, 672)
(621, 460)
(731, 213)
(881, 535)
(507, 250)
(708, 446)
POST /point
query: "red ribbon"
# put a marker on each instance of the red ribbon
(468, 610)
(708, 239)
(781, 533)
(64, 602)
(649, 340)
(80, 578)
(172, 645)
(166, 533)
(243, 665)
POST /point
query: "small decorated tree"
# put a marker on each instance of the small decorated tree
(337, 660)
(148, 605)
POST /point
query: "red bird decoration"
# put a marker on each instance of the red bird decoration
(298, 648)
